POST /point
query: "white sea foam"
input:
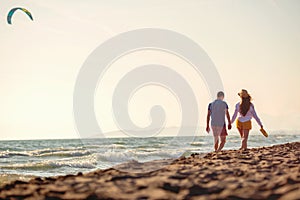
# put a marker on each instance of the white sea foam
(82, 162)
(60, 152)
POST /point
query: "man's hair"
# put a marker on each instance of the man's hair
(220, 94)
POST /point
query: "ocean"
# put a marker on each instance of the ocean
(29, 158)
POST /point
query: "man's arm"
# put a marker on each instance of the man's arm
(207, 121)
(228, 119)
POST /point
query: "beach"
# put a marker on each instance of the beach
(258, 173)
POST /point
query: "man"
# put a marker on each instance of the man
(217, 111)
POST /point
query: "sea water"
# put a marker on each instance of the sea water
(70, 156)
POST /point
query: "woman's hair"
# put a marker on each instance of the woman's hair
(245, 105)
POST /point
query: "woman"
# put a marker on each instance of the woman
(246, 111)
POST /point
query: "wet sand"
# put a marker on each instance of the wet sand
(258, 173)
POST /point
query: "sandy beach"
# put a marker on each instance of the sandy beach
(258, 173)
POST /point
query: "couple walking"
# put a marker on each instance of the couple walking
(244, 110)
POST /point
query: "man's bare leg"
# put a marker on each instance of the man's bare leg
(216, 140)
(223, 141)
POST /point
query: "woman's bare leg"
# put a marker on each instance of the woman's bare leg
(245, 139)
(241, 132)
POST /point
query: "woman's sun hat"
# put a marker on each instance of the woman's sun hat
(244, 93)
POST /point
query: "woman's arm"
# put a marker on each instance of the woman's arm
(235, 113)
(255, 116)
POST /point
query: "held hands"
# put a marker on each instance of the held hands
(229, 126)
(207, 129)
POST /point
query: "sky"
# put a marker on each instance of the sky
(254, 44)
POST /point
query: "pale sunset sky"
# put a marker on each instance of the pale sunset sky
(254, 44)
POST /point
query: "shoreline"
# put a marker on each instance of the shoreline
(257, 173)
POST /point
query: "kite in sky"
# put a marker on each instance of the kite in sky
(12, 11)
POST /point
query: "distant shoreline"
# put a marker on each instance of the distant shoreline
(258, 173)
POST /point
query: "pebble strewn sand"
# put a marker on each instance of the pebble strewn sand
(258, 173)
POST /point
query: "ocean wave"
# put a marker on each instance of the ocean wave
(83, 162)
(114, 146)
(198, 143)
(112, 156)
(65, 154)
(119, 157)
(8, 154)
(58, 152)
